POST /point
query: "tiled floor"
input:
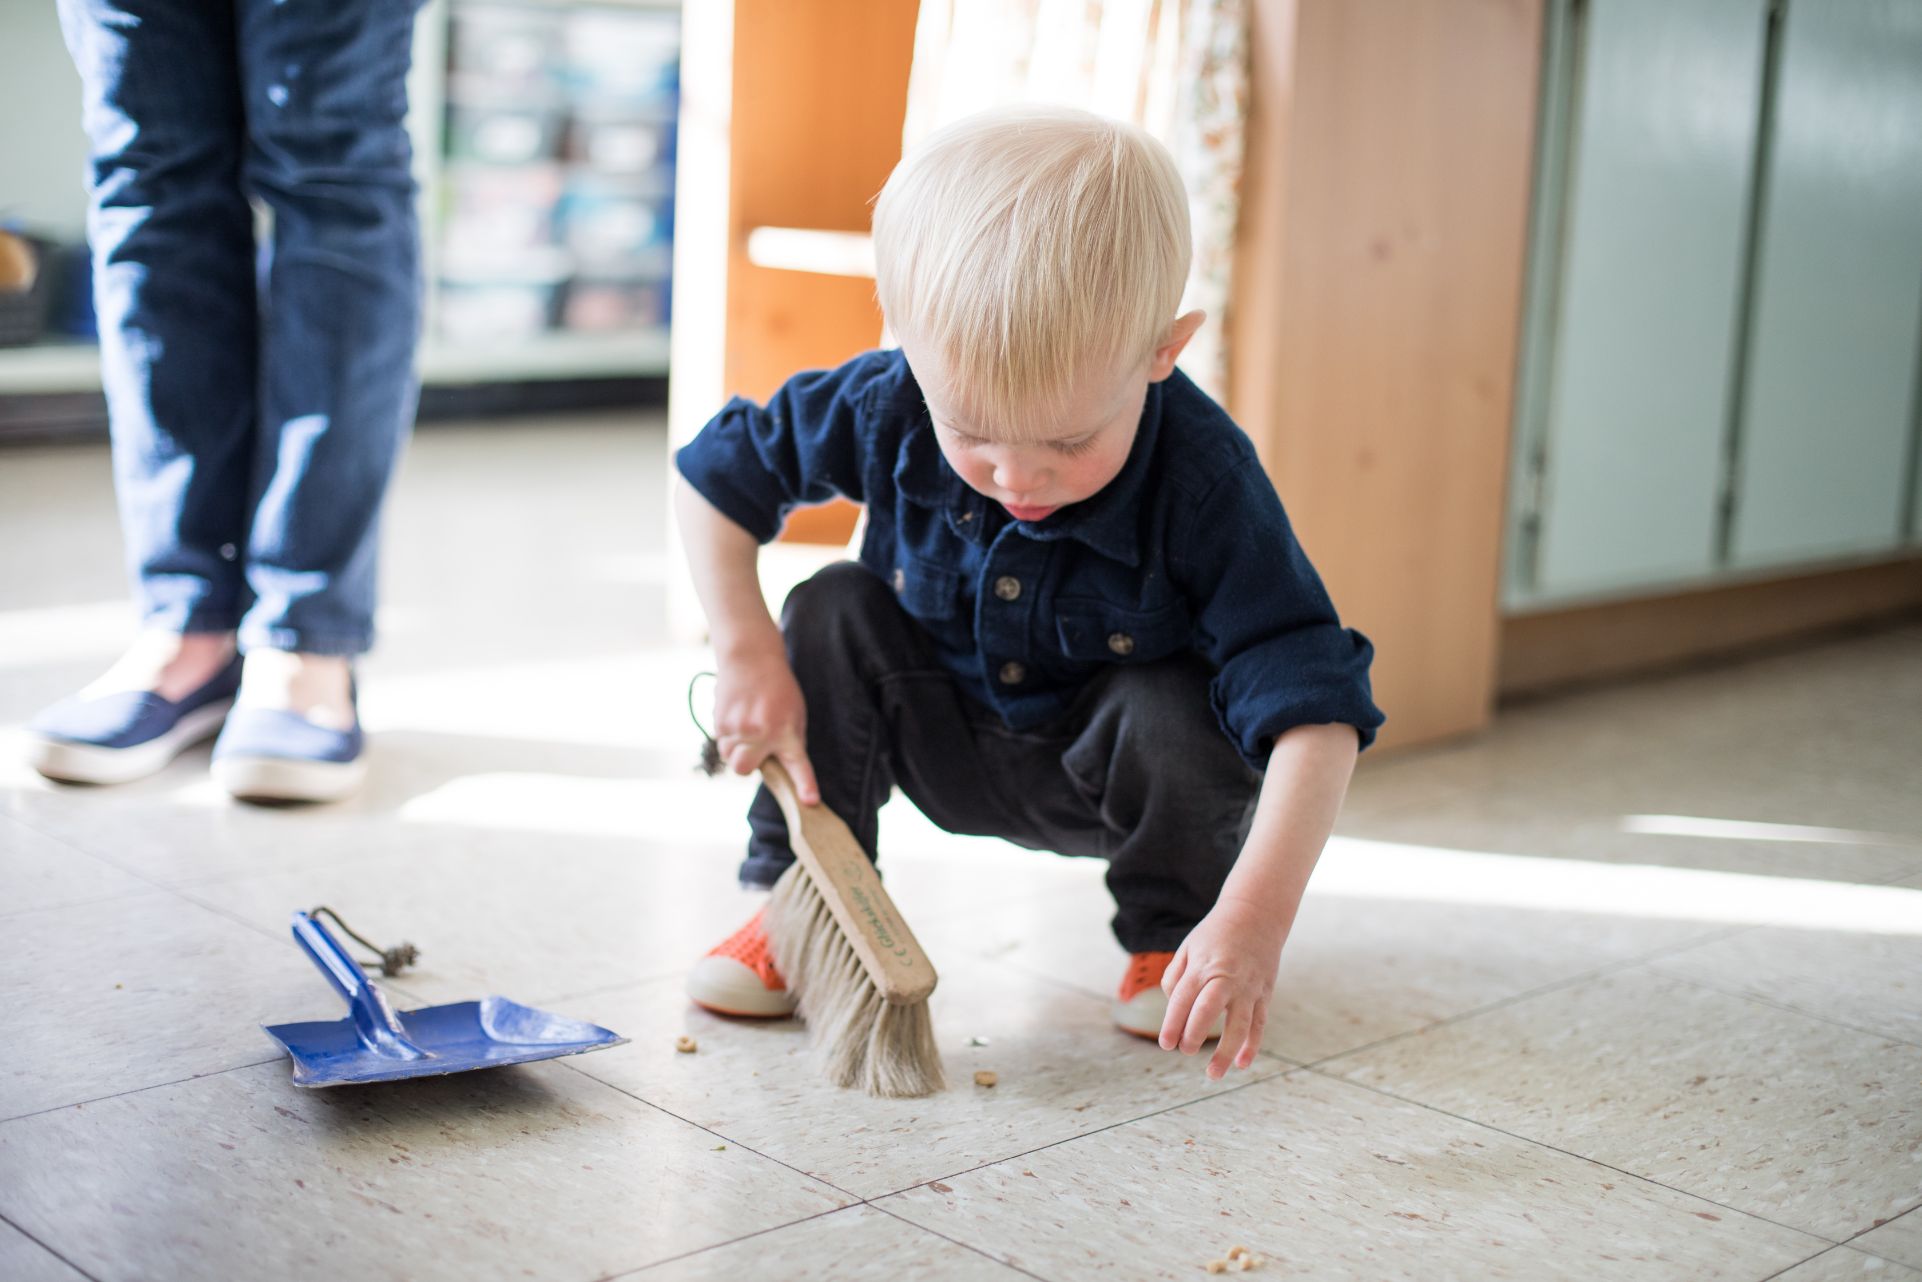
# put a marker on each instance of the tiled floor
(1630, 987)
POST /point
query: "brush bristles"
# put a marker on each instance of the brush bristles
(860, 1038)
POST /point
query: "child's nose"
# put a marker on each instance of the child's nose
(1015, 474)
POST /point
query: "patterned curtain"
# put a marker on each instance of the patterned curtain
(1178, 68)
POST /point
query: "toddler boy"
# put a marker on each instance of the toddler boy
(1079, 620)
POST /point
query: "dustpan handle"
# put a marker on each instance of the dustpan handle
(374, 1019)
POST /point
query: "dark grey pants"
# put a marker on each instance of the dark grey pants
(1136, 772)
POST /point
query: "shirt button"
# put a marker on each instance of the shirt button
(1013, 674)
(899, 580)
(1121, 643)
(1007, 587)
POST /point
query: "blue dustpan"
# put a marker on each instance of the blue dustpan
(377, 1045)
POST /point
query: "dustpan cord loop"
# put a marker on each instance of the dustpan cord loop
(392, 960)
(710, 750)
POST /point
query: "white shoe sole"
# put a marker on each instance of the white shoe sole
(286, 779)
(88, 763)
(1143, 1015)
(725, 985)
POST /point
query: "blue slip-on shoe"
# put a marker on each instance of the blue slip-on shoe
(271, 754)
(116, 738)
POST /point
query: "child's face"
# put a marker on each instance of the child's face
(1068, 463)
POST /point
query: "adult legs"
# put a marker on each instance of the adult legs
(174, 291)
(327, 153)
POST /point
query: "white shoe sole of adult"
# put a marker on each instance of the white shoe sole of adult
(86, 763)
(285, 779)
(725, 985)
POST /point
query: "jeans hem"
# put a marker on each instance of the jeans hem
(196, 620)
(345, 644)
(1156, 943)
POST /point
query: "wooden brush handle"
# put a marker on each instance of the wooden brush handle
(853, 892)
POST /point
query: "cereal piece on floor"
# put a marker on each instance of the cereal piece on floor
(685, 1045)
(985, 1077)
(1236, 1252)
(1217, 1266)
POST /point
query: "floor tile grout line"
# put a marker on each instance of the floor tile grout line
(715, 1246)
(1072, 1139)
(967, 1246)
(70, 843)
(91, 902)
(180, 891)
(227, 914)
(1844, 1245)
(1849, 1241)
(1915, 1210)
(1827, 1250)
(138, 1090)
(63, 840)
(747, 1148)
(233, 875)
(1062, 985)
(949, 1175)
(387, 985)
(1603, 971)
(1567, 1152)
(1787, 1008)
(601, 990)
(863, 1205)
(10, 1223)
(861, 1200)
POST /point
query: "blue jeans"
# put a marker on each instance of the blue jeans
(259, 397)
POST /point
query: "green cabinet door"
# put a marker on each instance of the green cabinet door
(1660, 152)
(1823, 446)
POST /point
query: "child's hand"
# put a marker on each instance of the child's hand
(1227, 964)
(759, 713)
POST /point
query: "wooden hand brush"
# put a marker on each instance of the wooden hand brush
(859, 977)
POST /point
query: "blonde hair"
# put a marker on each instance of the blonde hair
(1029, 248)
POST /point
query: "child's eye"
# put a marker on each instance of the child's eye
(1081, 446)
(962, 439)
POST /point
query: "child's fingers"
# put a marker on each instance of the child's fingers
(745, 758)
(1252, 1043)
(1175, 1022)
(802, 770)
(1201, 1016)
(1234, 1032)
(1172, 976)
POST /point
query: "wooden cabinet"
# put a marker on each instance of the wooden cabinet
(1635, 330)
(1725, 317)
(1822, 446)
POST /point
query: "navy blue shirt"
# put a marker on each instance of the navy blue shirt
(1186, 550)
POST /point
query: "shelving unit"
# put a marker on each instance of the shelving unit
(459, 349)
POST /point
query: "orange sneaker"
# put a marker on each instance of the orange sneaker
(738, 977)
(1139, 1004)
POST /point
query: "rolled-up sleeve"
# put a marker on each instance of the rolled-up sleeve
(807, 445)
(1263, 619)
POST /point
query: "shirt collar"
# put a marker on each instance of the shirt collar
(1109, 522)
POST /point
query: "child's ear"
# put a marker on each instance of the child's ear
(1162, 363)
